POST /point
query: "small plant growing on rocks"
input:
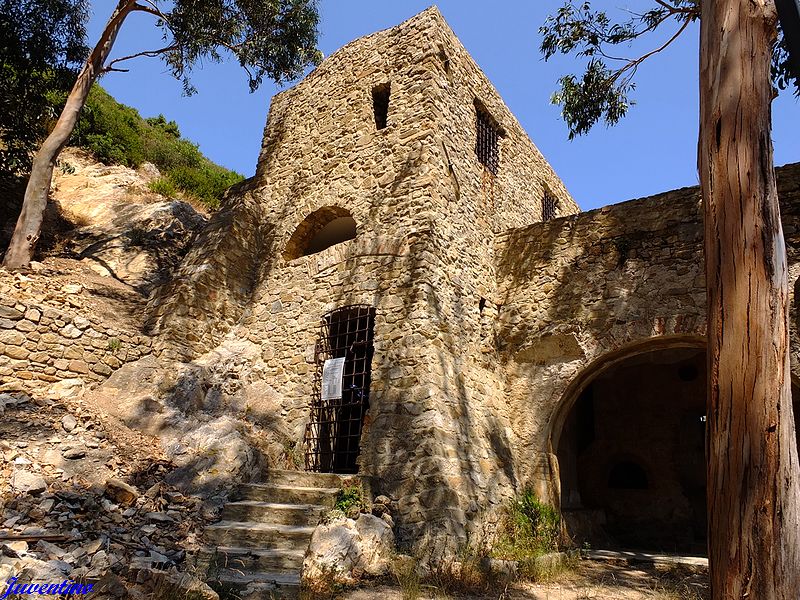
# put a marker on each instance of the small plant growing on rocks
(114, 344)
(350, 500)
(292, 455)
(65, 167)
(530, 529)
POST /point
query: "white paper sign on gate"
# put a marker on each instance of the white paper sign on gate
(332, 372)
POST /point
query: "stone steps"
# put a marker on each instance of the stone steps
(264, 585)
(274, 512)
(306, 479)
(253, 534)
(254, 559)
(256, 550)
(288, 494)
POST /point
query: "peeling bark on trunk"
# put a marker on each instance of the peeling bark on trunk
(753, 487)
(29, 224)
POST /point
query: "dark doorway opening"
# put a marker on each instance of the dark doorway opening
(631, 454)
(333, 435)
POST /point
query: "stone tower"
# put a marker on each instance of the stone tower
(367, 234)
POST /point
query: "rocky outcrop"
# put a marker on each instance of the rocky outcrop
(348, 550)
(214, 417)
(124, 231)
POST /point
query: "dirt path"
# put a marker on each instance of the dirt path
(589, 581)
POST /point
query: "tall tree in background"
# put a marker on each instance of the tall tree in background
(43, 44)
(753, 472)
(270, 38)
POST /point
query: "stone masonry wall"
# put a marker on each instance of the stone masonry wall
(581, 292)
(47, 336)
(436, 437)
(486, 320)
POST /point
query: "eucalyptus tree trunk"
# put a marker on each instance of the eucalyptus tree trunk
(753, 487)
(29, 224)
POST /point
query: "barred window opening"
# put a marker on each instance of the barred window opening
(549, 206)
(487, 143)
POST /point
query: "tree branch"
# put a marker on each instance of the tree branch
(634, 64)
(674, 10)
(148, 53)
(152, 9)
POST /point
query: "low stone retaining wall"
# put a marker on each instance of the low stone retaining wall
(45, 342)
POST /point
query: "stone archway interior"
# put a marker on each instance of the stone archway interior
(631, 454)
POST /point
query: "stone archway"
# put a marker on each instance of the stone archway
(630, 448)
(323, 228)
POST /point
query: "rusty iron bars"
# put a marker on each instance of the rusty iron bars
(333, 435)
(549, 206)
(487, 143)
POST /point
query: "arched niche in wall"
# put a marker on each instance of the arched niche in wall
(325, 227)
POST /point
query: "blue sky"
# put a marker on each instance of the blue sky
(652, 150)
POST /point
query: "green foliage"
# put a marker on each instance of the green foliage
(43, 41)
(163, 186)
(596, 95)
(782, 75)
(272, 38)
(117, 134)
(530, 528)
(349, 496)
(603, 90)
(168, 127)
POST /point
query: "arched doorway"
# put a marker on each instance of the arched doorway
(631, 451)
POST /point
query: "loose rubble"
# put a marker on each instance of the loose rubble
(85, 502)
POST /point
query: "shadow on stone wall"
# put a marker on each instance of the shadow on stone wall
(577, 290)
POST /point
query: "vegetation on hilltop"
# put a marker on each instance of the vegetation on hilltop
(270, 38)
(43, 43)
(117, 134)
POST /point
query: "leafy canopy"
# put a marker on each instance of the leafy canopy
(603, 91)
(270, 38)
(42, 43)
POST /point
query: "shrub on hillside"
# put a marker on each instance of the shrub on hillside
(117, 134)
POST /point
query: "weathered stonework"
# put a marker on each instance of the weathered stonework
(489, 322)
(585, 290)
(437, 435)
(47, 338)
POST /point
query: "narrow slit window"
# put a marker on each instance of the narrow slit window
(380, 104)
(549, 206)
(487, 143)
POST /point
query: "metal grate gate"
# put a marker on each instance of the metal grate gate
(333, 435)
